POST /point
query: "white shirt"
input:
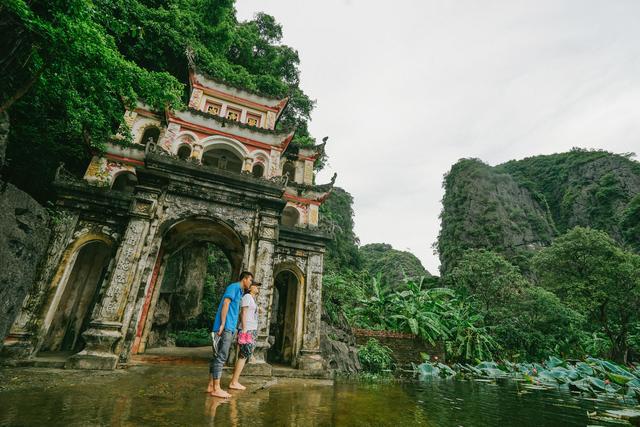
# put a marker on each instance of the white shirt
(252, 312)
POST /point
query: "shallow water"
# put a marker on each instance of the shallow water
(157, 396)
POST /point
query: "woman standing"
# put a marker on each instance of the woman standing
(248, 332)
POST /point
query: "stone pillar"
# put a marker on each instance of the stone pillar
(106, 326)
(309, 357)
(264, 273)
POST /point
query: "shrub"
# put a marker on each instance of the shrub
(196, 338)
(375, 357)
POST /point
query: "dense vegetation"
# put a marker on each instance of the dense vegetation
(70, 68)
(522, 278)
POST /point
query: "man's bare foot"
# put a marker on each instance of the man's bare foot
(237, 386)
(220, 393)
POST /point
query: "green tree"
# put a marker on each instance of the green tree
(73, 67)
(591, 274)
(336, 214)
(488, 277)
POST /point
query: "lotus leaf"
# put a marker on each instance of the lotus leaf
(554, 362)
(580, 385)
(428, 370)
(484, 365)
(584, 369)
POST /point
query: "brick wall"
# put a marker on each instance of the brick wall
(406, 347)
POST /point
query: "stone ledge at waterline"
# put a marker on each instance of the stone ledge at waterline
(406, 348)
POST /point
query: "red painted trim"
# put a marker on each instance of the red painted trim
(228, 97)
(301, 200)
(147, 302)
(210, 131)
(124, 159)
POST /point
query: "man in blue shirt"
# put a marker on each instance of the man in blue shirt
(223, 329)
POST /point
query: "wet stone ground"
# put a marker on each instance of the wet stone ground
(166, 395)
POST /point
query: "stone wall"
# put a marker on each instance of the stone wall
(406, 347)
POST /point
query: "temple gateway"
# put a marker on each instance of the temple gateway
(217, 173)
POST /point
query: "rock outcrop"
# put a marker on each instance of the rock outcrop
(24, 235)
(392, 264)
(523, 204)
(338, 346)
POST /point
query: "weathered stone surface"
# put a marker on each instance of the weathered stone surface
(4, 136)
(23, 240)
(187, 301)
(338, 347)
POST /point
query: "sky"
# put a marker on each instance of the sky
(404, 89)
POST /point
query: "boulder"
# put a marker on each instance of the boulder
(24, 235)
(338, 346)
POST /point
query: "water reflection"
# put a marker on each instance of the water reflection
(175, 396)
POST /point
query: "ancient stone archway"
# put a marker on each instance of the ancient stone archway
(74, 299)
(287, 316)
(176, 291)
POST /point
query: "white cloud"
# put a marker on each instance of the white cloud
(405, 90)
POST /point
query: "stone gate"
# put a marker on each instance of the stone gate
(216, 173)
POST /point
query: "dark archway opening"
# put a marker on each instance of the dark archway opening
(283, 319)
(289, 170)
(258, 170)
(184, 152)
(201, 257)
(78, 298)
(290, 216)
(221, 158)
(192, 285)
(150, 135)
(125, 182)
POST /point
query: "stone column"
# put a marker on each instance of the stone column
(309, 357)
(106, 326)
(264, 273)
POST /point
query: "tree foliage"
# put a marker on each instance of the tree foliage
(72, 67)
(336, 214)
(594, 276)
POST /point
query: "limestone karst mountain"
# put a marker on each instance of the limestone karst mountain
(521, 205)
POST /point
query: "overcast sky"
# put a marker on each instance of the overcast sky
(404, 89)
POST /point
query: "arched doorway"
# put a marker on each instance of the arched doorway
(286, 318)
(198, 258)
(76, 298)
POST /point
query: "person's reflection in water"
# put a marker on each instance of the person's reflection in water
(211, 408)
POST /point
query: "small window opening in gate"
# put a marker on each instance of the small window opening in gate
(184, 152)
(290, 216)
(150, 135)
(289, 170)
(258, 170)
(125, 182)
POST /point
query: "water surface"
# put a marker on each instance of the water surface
(158, 396)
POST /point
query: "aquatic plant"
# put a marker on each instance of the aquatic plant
(593, 377)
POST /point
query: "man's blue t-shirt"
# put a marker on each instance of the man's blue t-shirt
(234, 293)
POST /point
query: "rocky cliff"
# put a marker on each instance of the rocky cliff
(393, 265)
(520, 205)
(24, 234)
